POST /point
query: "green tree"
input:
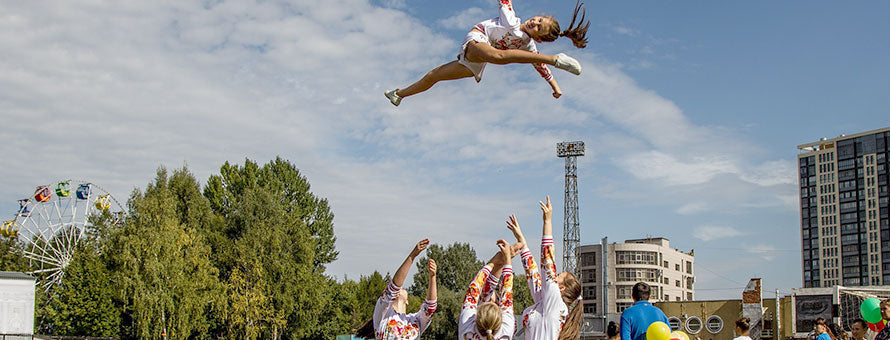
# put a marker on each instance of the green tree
(283, 181)
(457, 264)
(161, 266)
(272, 222)
(83, 304)
(12, 257)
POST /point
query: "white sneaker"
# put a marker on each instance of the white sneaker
(393, 97)
(568, 63)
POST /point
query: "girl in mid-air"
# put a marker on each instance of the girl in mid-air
(481, 319)
(556, 313)
(506, 40)
(390, 320)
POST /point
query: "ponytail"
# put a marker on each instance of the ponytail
(578, 34)
(488, 319)
(571, 295)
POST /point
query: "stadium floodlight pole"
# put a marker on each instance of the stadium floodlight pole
(571, 236)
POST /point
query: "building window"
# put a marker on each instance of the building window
(621, 306)
(677, 266)
(677, 283)
(674, 322)
(688, 267)
(693, 325)
(590, 308)
(623, 292)
(636, 257)
(714, 324)
(665, 264)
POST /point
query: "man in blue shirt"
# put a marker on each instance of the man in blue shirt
(636, 319)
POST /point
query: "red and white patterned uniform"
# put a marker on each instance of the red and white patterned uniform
(466, 326)
(544, 319)
(502, 33)
(392, 325)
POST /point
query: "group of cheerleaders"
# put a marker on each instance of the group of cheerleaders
(486, 312)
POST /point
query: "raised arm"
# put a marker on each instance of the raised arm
(497, 265)
(532, 275)
(425, 315)
(431, 293)
(548, 262)
(547, 214)
(399, 278)
(507, 15)
(508, 323)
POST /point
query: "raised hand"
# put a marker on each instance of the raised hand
(513, 225)
(421, 246)
(431, 267)
(506, 249)
(517, 247)
(547, 210)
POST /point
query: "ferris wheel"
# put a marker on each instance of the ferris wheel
(51, 222)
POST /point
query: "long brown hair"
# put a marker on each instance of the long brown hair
(571, 292)
(578, 34)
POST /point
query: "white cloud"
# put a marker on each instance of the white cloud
(656, 165)
(466, 18)
(766, 252)
(624, 30)
(712, 232)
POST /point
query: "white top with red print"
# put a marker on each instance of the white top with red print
(544, 319)
(392, 325)
(504, 33)
(479, 290)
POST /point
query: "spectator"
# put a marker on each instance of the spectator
(636, 319)
(742, 329)
(859, 329)
(820, 327)
(612, 331)
(884, 334)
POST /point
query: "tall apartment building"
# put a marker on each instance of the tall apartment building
(844, 210)
(668, 271)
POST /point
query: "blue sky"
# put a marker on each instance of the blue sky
(691, 112)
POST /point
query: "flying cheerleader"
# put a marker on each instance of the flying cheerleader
(506, 40)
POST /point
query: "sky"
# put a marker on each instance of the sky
(690, 111)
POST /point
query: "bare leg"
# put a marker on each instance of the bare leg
(449, 71)
(483, 53)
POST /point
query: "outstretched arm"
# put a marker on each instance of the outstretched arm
(497, 265)
(557, 92)
(532, 275)
(399, 278)
(431, 293)
(506, 294)
(508, 16)
(547, 214)
(425, 315)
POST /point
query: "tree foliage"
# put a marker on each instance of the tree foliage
(166, 282)
(83, 304)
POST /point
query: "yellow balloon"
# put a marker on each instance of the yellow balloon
(683, 335)
(676, 336)
(658, 331)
